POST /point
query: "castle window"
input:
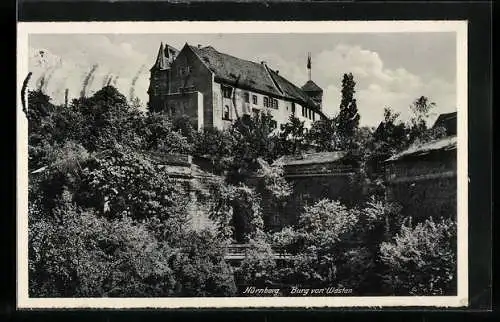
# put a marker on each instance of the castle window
(254, 99)
(304, 111)
(266, 101)
(310, 114)
(275, 103)
(227, 91)
(225, 116)
(183, 71)
(247, 97)
(314, 116)
(172, 110)
(293, 108)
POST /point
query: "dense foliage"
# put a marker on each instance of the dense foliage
(106, 219)
(348, 118)
(421, 259)
(329, 246)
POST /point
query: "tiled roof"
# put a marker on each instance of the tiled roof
(448, 121)
(444, 144)
(311, 158)
(250, 75)
(311, 86)
(236, 71)
(165, 53)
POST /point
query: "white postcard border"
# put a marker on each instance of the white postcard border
(24, 29)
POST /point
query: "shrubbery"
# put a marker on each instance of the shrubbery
(421, 259)
(105, 219)
(329, 246)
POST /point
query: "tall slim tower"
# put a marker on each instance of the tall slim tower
(310, 88)
(160, 77)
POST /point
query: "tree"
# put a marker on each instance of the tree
(418, 132)
(323, 135)
(216, 145)
(421, 259)
(253, 140)
(185, 126)
(106, 119)
(291, 139)
(391, 135)
(105, 219)
(78, 254)
(156, 132)
(348, 118)
(331, 245)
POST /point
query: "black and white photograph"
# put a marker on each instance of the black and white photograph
(256, 164)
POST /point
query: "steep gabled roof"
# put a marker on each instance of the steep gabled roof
(311, 86)
(448, 121)
(236, 71)
(165, 56)
(250, 75)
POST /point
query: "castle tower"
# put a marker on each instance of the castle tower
(310, 88)
(159, 80)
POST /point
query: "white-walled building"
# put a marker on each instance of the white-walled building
(214, 88)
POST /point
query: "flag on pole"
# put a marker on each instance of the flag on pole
(308, 60)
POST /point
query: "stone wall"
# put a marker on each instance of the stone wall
(424, 186)
(336, 182)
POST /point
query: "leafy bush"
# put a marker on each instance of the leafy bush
(258, 268)
(200, 267)
(333, 245)
(123, 180)
(421, 260)
(105, 219)
(76, 253)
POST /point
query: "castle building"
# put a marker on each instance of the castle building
(214, 89)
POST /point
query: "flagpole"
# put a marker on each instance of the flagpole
(309, 65)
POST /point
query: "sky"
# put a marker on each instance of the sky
(390, 69)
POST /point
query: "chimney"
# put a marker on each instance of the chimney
(199, 46)
(277, 72)
(263, 62)
(66, 98)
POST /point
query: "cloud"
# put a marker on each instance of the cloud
(376, 86)
(71, 58)
(69, 61)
